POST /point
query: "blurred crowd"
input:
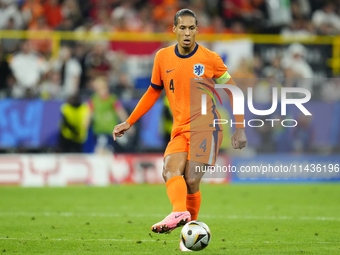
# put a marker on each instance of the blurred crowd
(215, 16)
(27, 69)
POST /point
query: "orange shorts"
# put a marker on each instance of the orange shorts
(202, 147)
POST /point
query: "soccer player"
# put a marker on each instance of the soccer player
(192, 144)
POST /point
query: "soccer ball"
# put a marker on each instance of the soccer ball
(195, 235)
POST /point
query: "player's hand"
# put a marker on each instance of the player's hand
(239, 139)
(120, 129)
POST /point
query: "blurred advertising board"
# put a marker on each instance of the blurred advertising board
(61, 170)
(34, 124)
(29, 123)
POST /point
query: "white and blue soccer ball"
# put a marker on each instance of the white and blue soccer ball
(195, 235)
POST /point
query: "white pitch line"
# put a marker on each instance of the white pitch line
(86, 240)
(138, 215)
(150, 240)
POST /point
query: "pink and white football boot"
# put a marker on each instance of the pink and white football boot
(172, 221)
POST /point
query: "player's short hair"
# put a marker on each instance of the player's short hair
(184, 12)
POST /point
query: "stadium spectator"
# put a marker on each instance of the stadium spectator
(290, 77)
(28, 69)
(165, 125)
(67, 24)
(86, 26)
(125, 17)
(104, 24)
(70, 72)
(246, 11)
(71, 10)
(331, 90)
(74, 123)
(295, 60)
(122, 85)
(121, 25)
(31, 11)
(51, 87)
(96, 9)
(264, 89)
(316, 5)
(43, 46)
(299, 28)
(10, 45)
(86, 7)
(237, 28)
(5, 76)
(275, 68)
(217, 26)
(258, 66)
(79, 54)
(279, 13)
(53, 13)
(163, 16)
(96, 61)
(145, 19)
(107, 112)
(244, 75)
(199, 7)
(326, 21)
(10, 11)
(300, 9)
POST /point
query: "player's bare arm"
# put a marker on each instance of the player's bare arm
(239, 139)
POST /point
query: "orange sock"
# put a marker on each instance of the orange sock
(193, 204)
(177, 190)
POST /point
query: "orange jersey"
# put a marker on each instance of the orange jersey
(185, 77)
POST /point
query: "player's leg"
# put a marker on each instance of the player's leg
(173, 169)
(203, 150)
(174, 165)
(193, 179)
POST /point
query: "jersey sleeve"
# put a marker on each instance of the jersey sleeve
(219, 67)
(144, 104)
(156, 79)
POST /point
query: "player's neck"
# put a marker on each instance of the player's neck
(183, 51)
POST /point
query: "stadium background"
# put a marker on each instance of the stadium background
(80, 203)
(257, 40)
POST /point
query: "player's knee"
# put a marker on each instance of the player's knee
(169, 172)
(192, 184)
(165, 175)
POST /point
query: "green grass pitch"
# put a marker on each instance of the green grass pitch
(244, 219)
